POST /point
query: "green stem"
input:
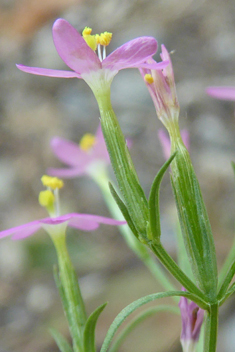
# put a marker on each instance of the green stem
(211, 329)
(173, 268)
(128, 182)
(138, 248)
(74, 307)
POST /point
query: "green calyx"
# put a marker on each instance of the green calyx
(193, 217)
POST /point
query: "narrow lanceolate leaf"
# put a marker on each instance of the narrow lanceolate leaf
(61, 342)
(230, 257)
(139, 319)
(154, 211)
(194, 221)
(89, 331)
(121, 317)
(124, 210)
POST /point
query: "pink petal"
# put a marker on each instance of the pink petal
(165, 56)
(131, 54)
(20, 235)
(56, 220)
(154, 66)
(73, 49)
(224, 93)
(23, 230)
(89, 222)
(48, 72)
(100, 149)
(69, 152)
(66, 173)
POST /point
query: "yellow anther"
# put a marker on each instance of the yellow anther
(86, 31)
(46, 199)
(52, 182)
(104, 38)
(97, 38)
(148, 78)
(87, 141)
(91, 41)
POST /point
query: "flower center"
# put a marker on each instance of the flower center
(87, 142)
(96, 41)
(49, 199)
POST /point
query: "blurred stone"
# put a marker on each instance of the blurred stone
(39, 298)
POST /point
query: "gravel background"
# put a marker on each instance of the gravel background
(33, 109)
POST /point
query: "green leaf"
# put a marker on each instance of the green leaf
(228, 278)
(138, 319)
(61, 342)
(89, 332)
(230, 257)
(133, 306)
(123, 209)
(154, 211)
(230, 291)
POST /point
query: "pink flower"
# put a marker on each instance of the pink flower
(85, 222)
(224, 93)
(161, 86)
(80, 160)
(98, 72)
(166, 143)
(192, 319)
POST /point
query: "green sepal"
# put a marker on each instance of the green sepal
(154, 211)
(89, 331)
(121, 317)
(124, 210)
(61, 341)
(139, 319)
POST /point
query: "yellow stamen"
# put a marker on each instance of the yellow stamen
(86, 31)
(52, 182)
(148, 78)
(91, 41)
(104, 38)
(46, 199)
(87, 141)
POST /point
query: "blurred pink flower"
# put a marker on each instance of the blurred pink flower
(96, 71)
(85, 222)
(80, 161)
(166, 143)
(192, 319)
(224, 93)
